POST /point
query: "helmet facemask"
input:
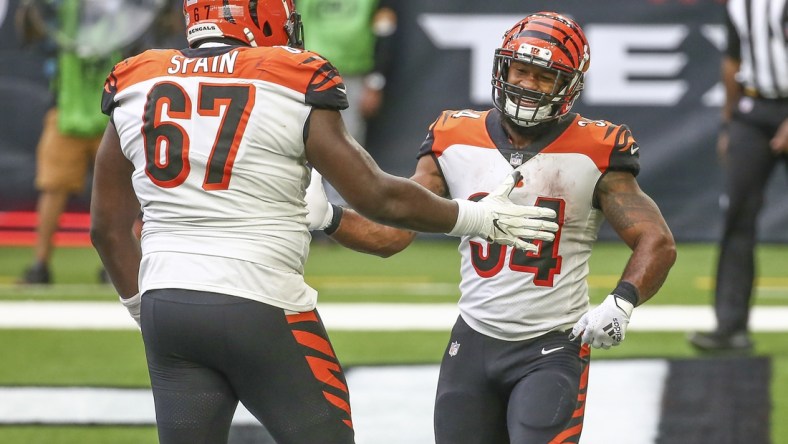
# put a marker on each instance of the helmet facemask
(528, 107)
(556, 46)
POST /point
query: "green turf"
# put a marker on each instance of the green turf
(426, 272)
(77, 435)
(66, 357)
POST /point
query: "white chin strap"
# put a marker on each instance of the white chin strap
(250, 37)
(526, 114)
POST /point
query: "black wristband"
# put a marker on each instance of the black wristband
(628, 292)
(335, 219)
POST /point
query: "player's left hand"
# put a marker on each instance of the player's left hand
(320, 210)
(605, 325)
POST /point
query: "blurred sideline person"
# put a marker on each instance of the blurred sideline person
(753, 140)
(516, 366)
(72, 127)
(212, 143)
(357, 36)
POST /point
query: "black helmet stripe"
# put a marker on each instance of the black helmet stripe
(547, 37)
(566, 35)
(568, 23)
(253, 12)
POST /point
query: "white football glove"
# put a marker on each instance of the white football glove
(496, 219)
(132, 304)
(320, 210)
(605, 325)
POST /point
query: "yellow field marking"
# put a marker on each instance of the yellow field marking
(608, 281)
(767, 287)
(768, 283)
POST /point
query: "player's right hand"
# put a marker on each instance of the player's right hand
(604, 326)
(497, 219)
(132, 304)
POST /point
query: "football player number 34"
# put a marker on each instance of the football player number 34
(167, 143)
(489, 259)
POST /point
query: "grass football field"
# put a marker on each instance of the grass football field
(426, 272)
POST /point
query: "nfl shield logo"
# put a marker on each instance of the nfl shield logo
(453, 348)
(516, 159)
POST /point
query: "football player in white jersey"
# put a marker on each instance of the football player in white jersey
(212, 142)
(515, 369)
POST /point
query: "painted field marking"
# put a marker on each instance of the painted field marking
(366, 316)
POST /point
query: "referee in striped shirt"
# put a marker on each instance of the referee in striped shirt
(753, 140)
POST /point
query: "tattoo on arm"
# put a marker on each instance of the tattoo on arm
(638, 221)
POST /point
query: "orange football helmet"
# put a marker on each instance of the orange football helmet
(553, 42)
(256, 22)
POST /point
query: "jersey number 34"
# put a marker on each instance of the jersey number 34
(543, 265)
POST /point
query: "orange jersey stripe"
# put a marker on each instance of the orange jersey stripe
(294, 69)
(457, 127)
(596, 142)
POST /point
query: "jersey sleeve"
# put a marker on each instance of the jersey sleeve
(309, 73)
(625, 155)
(429, 142)
(452, 127)
(123, 74)
(108, 103)
(326, 88)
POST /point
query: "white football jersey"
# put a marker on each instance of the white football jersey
(510, 294)
(216, 136)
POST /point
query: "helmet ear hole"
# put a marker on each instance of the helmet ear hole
(267, 30)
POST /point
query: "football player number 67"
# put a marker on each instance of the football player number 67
(167, 143)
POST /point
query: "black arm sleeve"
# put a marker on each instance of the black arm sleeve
(385, 39)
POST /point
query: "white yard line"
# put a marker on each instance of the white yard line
(366, 316)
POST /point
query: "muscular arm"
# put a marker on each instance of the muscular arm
(361, 234)
(379, 196)
(639, 223)
(113, 210)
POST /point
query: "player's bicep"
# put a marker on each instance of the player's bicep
(628, 210)
(340, 159)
